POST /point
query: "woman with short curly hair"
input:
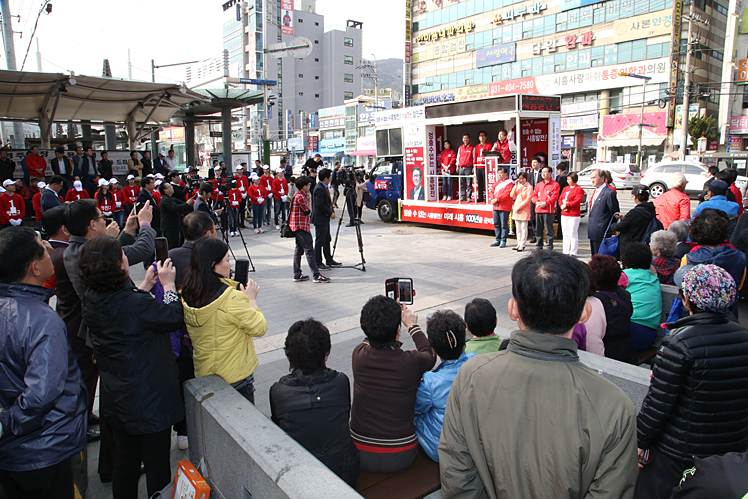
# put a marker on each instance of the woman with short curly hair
(313, 403)
(140, 388)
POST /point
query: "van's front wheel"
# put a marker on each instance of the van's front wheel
(386, 211)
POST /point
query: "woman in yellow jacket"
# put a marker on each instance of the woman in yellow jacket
(222, 317)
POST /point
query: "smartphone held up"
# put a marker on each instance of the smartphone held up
(400, 289)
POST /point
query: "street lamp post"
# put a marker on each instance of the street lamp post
(641, 114)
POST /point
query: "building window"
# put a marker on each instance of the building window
(316, 42)
(300, 20)
(301, 94)
(316, 77)
(348, 59)
(316, 24)
(347, 95)
(348, 42)
(316, 59)
(301, 75)
(348, 78)
(316, 95)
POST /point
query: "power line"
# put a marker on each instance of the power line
(33, 33)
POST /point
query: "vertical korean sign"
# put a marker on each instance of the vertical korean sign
(414, 163)
(434, 140)
(554, 135)
(534, 139)
(675, 45)
(287, 17)
(406, 60)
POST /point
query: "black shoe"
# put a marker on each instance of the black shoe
(93, 419)
(532, 241)
(93, 435)
(323, 266)
(361, 221)
(301, 278)
(350, 224)
(105, 478)
(333, 263)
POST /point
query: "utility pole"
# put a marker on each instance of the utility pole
(372, 75)
(687, 84)
(38, 57)
(10, 54)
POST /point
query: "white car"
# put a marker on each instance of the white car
(625, 175)
(658, 176)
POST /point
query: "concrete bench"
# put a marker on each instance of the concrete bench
(668, 294)
(415, 482)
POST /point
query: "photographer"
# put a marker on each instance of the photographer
(335, 184)
(202, 203)
(172, 211)
(180, 192)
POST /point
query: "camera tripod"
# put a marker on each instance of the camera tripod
(224, 223)
(350, 198)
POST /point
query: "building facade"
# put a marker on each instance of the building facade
(461, 50)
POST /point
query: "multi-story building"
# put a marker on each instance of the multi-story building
(467, 49)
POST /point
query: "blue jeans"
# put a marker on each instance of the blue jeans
(280, 208)
(233, 214)
(119, 217)
(246, 387)
(257, 211)
(268, 208)
(501, 225)
(447, 185)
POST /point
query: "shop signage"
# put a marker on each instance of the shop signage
(579, 107)
(445, 32)
(674, 58)
(332, 123)
(568, 141)
(366, 144)
(518, 12)
(408, 32)
(739, 124)
(278, 146)
(736, 143)
(645, 26)
(312, 143)
(498, 54)
(430, 99)
(569, 41)
(399, 115)
(693, 110)
(584, 122)
(743, 70)
(599, 78)
(329, 112)
(215, 134)
(523, 85)
(439, 49)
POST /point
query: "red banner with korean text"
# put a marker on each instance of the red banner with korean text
(449, 214)
(534, 139)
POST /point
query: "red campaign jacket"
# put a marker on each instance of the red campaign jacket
(255, 192)
(280, 188)
(573, 197)
(738, 198)
(546, 193)
(235, 198)
(131, 194)
(242, 183)
(36, 166)
(74, 195)
(36, 202)
(267, 184)
(157, 196)
(465, 156)
(120, 200)
(480, 160)
(106, 205)
(448, 157)
(503, 148)
(11, 208)
(503, 194)
(217, 195)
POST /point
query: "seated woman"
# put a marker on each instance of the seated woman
(663, 243)
(446, 332)
(617, 304)
(222, 317)
(129, 331)
(680, 229)
(385, 380)
(313, 403)
(594, 328)
(646, 297)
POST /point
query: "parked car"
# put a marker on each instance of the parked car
(625, 175)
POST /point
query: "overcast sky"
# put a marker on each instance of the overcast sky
(79, 34)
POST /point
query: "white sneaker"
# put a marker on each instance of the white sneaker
(278, 227)
(182, 442)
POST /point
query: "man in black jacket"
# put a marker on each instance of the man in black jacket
(106, 166)
(7, 166)
(697, 404)
(172, 210)
(62, 166)
(147, 164)
(146, 194)
(322, 213)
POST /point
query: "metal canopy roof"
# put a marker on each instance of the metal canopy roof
(48, 97)
(215, 99)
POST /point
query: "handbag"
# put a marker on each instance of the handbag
(286, 227)
(366, 196)
(609, 245)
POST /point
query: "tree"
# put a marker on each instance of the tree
(702, 127)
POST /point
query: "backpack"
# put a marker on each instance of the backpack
(653, 226)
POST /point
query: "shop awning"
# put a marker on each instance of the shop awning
(627, 142)
(363, 152)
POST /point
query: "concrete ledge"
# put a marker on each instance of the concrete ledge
(246, 455)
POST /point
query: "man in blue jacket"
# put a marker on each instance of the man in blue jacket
(717, 199)
(43, 397)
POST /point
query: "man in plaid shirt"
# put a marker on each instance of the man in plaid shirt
(299, 224)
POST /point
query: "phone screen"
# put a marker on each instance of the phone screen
(241, 271)
(405, 291)
(162, 249)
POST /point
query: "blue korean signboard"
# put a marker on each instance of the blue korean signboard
(498, 54)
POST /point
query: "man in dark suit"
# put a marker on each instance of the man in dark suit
(62, 166)
(322, 213)
(417, 191)
(533, 178)
(603, 205)
(146, 194)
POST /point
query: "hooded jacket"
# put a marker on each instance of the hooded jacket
(42, 394)
(697, 403)
(314, 410)
(727, 257)
(129, 331)
(222, 333)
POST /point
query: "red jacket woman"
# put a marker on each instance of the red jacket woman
(572, 197)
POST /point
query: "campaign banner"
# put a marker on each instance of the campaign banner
(287, 17)
(434, 142)
(118, 158)
(534, 139)
(448, 214)
(414, 173)
(554, 135)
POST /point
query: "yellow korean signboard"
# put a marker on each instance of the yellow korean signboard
(636, 28)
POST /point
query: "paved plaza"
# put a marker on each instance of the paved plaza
(449, 268)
